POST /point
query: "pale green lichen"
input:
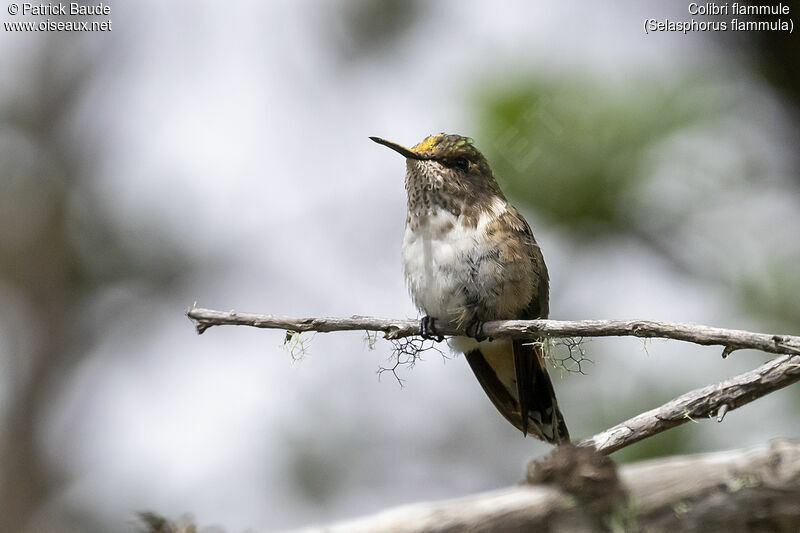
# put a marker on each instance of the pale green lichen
(296, 345)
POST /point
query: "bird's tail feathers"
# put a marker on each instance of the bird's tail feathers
(514, 376)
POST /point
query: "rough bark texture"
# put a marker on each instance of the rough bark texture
(730, 339)
(756, 489)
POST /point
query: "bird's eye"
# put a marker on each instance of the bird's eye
(461, 163)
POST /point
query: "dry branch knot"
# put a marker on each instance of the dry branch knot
(639, 329)
(590, 477)
(392, 332)
(727, 351)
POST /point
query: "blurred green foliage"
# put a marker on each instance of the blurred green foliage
(675, 441)
(572, 149)
(774, 296)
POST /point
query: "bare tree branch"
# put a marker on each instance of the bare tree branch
(712, 400)
(730, 339)
(756, 489)
(707, 489)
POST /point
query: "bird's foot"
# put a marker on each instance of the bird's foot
(475, 330)
(427, 328)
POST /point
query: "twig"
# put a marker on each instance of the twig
(701, 403)
(731, 339)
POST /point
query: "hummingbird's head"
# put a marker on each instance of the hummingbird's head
(447, 162)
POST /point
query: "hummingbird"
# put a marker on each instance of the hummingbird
(470, 257)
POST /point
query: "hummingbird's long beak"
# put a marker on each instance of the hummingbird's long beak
(402, 150)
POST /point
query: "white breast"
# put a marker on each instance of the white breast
(436, 260)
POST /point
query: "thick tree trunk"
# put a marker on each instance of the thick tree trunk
(756, 489)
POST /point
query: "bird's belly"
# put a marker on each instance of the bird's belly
(435, 269)
(449, 268)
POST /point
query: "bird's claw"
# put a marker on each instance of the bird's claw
(475, 330)
(427, 328)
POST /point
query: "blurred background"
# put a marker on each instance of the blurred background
(218, 153)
